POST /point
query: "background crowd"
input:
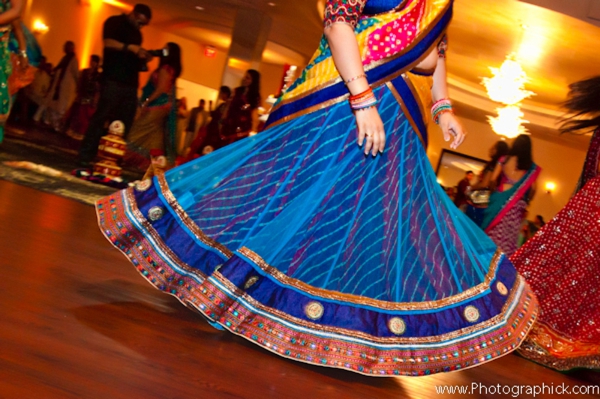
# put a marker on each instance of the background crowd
(160, 130)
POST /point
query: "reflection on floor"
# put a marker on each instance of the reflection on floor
(44, 160)
(78, 322)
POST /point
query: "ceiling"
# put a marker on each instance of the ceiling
(553, 48)
(214, 23)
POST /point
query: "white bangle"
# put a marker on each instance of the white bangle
(23, 53)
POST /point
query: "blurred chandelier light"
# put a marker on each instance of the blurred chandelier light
(508, 87)
(509, 122)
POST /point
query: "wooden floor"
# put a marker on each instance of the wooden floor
(77, 321)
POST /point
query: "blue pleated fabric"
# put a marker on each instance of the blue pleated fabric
(305, 197)
(297, 241)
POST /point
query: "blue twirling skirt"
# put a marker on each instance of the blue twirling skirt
(298, 242)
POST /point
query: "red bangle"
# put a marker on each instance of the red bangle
(358, 96)
(436, 118)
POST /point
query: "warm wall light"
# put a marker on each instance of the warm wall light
(238, 64)
(210, 52)
(119, 4)
(115, 3)
(550, 187)
(40, 27)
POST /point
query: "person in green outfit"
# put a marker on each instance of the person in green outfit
(10, 13)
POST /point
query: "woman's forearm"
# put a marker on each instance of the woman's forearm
(346, 56)
(439, 90)
(19, 35)
(13, 13)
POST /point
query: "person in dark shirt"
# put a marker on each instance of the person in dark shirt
(123, 58)
(460, 200)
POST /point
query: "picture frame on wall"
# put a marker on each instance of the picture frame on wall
(452, 166)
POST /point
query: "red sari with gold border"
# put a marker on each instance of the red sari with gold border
(562, 265)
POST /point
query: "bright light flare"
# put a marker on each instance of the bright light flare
(40, 27)
(507, 85)
(550, 186)
(119, 4)
(509, 122)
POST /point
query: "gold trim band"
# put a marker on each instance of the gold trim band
(189, 223)
(395, 340)
(336, 296)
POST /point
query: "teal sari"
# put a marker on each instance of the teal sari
(143, 135)
(165, 100)
(5, 70)
(503, 217)
(8, 46)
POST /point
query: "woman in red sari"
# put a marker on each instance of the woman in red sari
(241, 116)
(562, 261)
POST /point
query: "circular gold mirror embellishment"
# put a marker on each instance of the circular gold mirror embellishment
(155, 213)
(397, 325)
(314, 310)
(471, 314)
(501, 288)
(251, 281)
(143, 185)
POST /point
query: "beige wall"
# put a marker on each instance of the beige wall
(67, 20)
(561, 165)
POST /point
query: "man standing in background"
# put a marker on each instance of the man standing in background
(460, 200)
(198, 118)
(123, 58)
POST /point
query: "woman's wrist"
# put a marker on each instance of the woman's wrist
(363, 100)
(439, 108)
(23, 53)
(358, 86)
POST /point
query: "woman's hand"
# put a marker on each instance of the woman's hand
(370, 130)
(22, 60)
(451, 128)
(347, 59)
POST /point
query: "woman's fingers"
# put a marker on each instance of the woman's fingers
(382, 141)
(458, 134)
(447, 135)
(361, 136)
(376, 142)
(371, 132)
(369, 143)
(452, 129)
(458, 140)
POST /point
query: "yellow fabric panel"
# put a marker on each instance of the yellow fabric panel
(322, 74)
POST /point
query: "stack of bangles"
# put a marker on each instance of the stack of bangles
(440, 107)
(363, 100)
